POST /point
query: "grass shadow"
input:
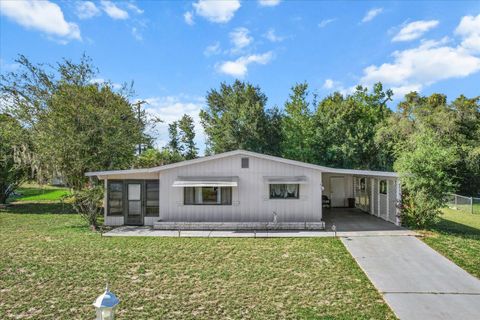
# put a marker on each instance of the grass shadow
(39, 208)
(455, 228)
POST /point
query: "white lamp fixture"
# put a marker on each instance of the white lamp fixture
(105, 305)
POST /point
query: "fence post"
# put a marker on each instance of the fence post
(471, 205)
(455, 196)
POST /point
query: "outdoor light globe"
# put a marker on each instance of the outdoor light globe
(105, 305)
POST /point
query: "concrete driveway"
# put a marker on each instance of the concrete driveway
(415, 280)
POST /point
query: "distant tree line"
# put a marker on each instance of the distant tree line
(57, 121)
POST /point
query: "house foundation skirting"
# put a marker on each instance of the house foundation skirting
(170, 225)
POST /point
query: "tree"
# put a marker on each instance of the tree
(13, 141)
(346, 127)
(187, 136)
(149, 158)
(298, 126)
(425, 165)
(174, 138)
(235, 118)
(456, 125)
(75, 125)
(88, 204)
(154, 158)
(274, 135)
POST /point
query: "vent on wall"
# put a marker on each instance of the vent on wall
(245, 163)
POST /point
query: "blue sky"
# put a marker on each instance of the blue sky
(176, 51)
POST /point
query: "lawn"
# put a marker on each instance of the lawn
(52, 266)
(36, 193)
(457, 236)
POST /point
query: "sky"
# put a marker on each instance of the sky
(176, 51)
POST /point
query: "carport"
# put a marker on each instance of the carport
(354, 219)
(348, 193)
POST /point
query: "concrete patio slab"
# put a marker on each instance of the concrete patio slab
(412, 277)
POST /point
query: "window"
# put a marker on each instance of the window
(284, 191)
(362, 184)
(383, 187)
(245, 163)
(152, 198)
(115, 199)
(207, 196)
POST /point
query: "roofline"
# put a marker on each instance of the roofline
(247, 153)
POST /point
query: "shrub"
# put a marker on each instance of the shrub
(88, 203)
(425, 167)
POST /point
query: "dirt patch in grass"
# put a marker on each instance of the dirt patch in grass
(53, 267)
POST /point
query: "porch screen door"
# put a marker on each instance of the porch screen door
(134, 203)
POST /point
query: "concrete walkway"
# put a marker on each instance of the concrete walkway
(415, 280)
(129, 231)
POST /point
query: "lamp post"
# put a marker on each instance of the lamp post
(105, 305)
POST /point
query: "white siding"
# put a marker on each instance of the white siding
(113, 221)
(250, 200)
(348, 185)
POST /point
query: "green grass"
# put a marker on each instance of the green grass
(53, 267)
(36, 193)
(457, 236)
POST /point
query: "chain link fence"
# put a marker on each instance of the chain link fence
(466, 204)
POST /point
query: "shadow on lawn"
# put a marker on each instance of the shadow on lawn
(39, 208)
(455, 228)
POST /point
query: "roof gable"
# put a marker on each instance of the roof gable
(250, 154)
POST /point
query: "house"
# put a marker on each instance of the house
(243, 190)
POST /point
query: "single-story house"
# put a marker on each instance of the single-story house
(243, 190)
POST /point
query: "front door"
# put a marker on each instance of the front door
(337, 190)
(134, 212)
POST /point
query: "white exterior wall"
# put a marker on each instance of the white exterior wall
(250, 200)
(348, 185)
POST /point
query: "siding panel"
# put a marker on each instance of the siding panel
(250, 201)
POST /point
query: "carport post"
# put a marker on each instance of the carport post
(399, 203)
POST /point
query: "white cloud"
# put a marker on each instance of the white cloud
(44, 16)
(188, 17)
(132, 7)
(239, 68)
(212, 49)
(136, 34)
(332, 85)
(325, 22)
(422, 66)
(268, 3)
(371, 14)
(113, 11)
(414, 30)
(172, 108)
(469, 30)
(86, 9)
(272, 36)
(328, 84)
(216, 10)
(240, 38)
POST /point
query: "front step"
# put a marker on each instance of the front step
(170, 225)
